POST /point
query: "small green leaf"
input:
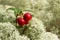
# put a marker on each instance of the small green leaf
(16, 10)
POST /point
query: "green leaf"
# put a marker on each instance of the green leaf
(16, 10)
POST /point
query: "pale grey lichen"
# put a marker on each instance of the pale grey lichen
(35, 29)
(9, 32)
(6, 15)
(46, 10)
(23, 37)
(48, 36)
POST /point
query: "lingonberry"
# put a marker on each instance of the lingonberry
(27, 16)
(20, 21)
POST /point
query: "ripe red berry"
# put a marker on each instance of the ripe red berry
(20, 21)
(26, 22)
(27, 16)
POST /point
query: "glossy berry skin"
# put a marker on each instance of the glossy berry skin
(20, 21)
(27, 16)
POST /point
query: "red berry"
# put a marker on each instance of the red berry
(26, 22)
(20, 21)
(27, 16)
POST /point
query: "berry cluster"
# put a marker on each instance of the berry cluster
(24, 19)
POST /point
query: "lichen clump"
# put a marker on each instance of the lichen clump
(42, 18)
